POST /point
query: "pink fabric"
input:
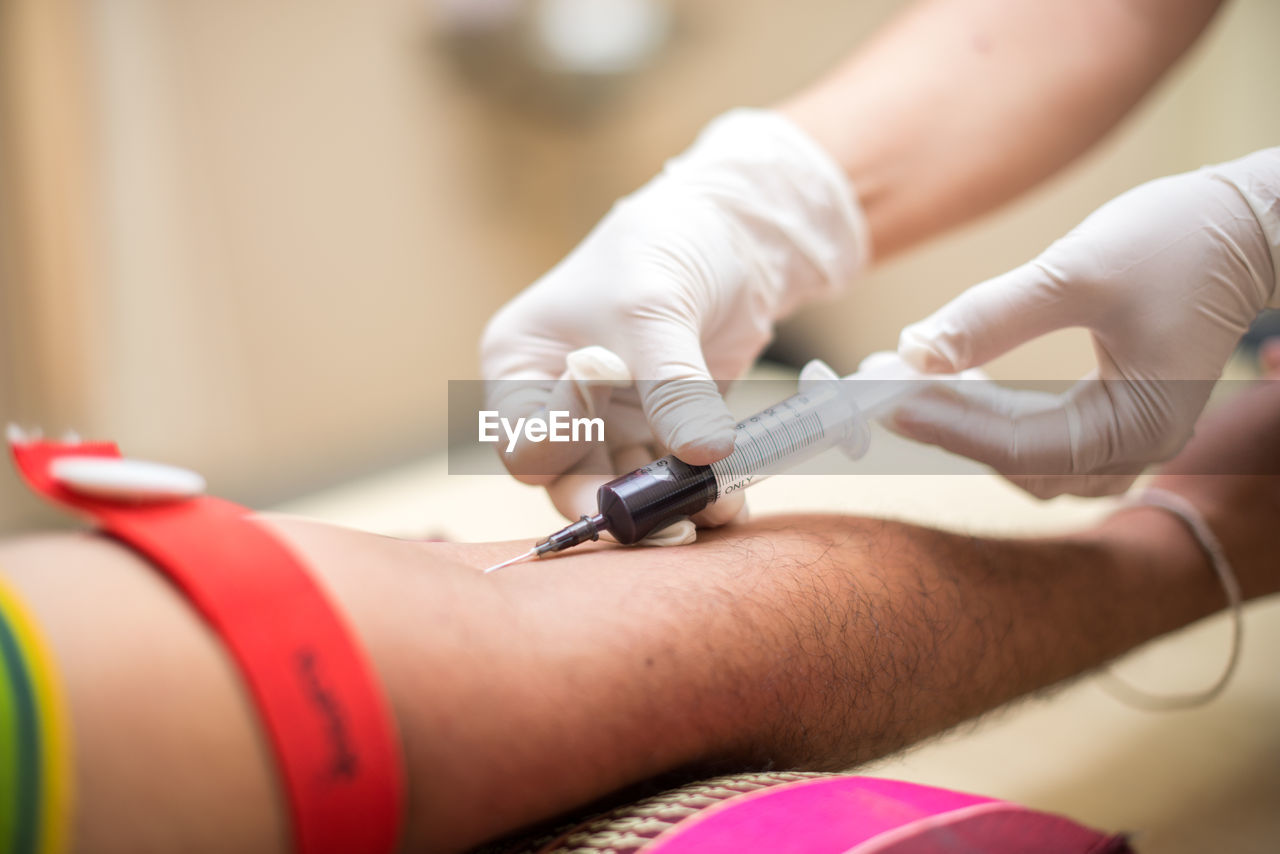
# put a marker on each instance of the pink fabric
(868, 815)
(993, 828)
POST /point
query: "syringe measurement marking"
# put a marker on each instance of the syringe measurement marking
(765, 445)
(794, 441)
(770, 447)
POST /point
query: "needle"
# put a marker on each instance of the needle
(533, 552)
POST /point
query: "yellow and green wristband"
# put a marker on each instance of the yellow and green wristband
(35, 779)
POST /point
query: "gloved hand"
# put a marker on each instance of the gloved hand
(681, 283)
(1167, 277)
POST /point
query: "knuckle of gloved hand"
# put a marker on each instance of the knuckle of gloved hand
(644, 296)
(1089, 260)
(650, 299)
(1076, 287)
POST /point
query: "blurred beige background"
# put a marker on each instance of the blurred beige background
(259, 238)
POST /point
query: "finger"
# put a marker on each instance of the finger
(1026, 436)
(679, 395)
(1092, 441)
(539, 462)
(579, 395)
(1016, 433)
(1083, 485)
(990, 319)
(1108, 480)
(986, 392)
(574, 492)
(520, 373)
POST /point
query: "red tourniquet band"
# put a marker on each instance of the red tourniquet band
(318, 696)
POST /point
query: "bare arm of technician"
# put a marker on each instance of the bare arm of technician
(798, 642)
(960, 105)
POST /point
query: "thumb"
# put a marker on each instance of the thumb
(989, 319)
(680, 398)
(1019, 433)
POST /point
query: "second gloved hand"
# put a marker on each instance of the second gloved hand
(683, 281)
(1167, 277)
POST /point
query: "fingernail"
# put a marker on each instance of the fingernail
(923, 354)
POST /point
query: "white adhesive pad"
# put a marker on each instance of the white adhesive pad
(125, 479)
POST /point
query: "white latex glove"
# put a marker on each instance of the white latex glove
(1167, 277)
(682, 282)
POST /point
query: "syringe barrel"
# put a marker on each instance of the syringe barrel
(827, 412)
(786, 434)
(774, 439)
(652, 497)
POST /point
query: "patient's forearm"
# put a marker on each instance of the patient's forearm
(810, 642)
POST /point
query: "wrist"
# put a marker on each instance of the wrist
(1159, 566)
(1177, 506)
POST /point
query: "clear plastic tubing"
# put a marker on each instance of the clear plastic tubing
(825, 412)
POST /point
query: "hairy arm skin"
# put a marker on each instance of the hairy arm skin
(959, 105)
(799, 641)
(804, 641)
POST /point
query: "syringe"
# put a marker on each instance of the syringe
(825, 412)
